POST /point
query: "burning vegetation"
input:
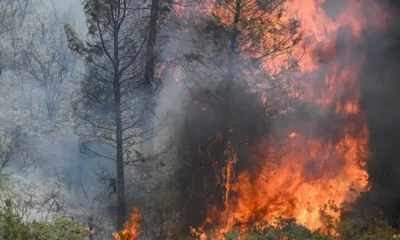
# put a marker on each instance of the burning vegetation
(292, 145)
(273, 128)
(283, 125)
(131, 228)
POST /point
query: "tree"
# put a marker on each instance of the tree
(16, 153)
(13, 14)
(238, 40)
(108, 107)
(18, 159)
(151, 60)
(36, 80)
(34, 86)
(47, 60)
(153, 72)
(238, 89)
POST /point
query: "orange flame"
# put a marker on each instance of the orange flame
(132, 228)
(314, 171)
(228, 172)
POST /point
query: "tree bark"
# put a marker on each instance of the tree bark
(151, 42)
(229, 80)
(231, 57)
(149, 69)
(121, 208)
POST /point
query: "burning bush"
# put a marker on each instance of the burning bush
(131, 228)
(215, 145)
(243, 162)
(296, 153)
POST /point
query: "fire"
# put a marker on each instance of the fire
(132, 228)
(311, 174)
(228, 171)
(315, 170)
(319, 168)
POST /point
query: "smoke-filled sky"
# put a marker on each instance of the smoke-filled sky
(73, 6)
(62, 160)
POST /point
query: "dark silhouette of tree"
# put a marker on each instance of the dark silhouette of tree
(109, 106)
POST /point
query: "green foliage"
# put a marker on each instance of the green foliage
(349, 229)
(365, 229)
(4, 150)
(234, 235)
(60, 229)
(287, 228)
(13, 227)
(75, 44)
(284, 229)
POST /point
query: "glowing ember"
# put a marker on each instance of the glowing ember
(132, 228)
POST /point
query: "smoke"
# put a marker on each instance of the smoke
(203, 141)
(202, 152)
(379, 97)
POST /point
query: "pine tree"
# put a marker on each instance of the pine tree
(109, 106)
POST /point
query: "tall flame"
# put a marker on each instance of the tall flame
(319, 168)
(315, 171)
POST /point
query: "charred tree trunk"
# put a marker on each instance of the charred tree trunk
(162, 223)
(121, 210)
(231, 57)
(150, 68)
(230, 78)
(151, 42)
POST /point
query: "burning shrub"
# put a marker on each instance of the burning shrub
(131, 228)
(214, 147)
(228, 147)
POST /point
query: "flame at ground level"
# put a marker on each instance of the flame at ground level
(131, 228)
(314, 172)
(310, 181)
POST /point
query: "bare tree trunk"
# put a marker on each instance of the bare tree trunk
(151, 42)
(229, 80)
(121, 209)
(149, 68)
(231, 57)
(162, 223)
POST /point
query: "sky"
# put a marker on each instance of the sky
(73, 6)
